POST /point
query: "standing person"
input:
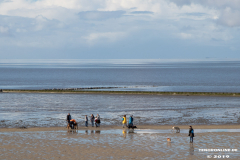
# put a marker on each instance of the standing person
(68, 119)
(124, 121)
(92, 120)
(86, 121)
(131, 121)
(98, 120)
(191, 134)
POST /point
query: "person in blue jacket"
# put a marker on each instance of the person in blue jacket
(191, 134)
(130, 121)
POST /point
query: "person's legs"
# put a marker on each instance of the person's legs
(191, 139)
(130, 125)
(69, 123)
(86, 123)
(92, 123)
(72, 125)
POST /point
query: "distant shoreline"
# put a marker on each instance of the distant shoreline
(121, 92)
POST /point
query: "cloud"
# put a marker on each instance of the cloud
(230, 17)
(103, 37)
(142, 12)
(226, 12)
(185, 36)
(98, 25)
(100, 15)
(3, 29)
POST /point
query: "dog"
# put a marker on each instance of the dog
(176, 128)
(75, 126)
(169, 139)
(131, 126)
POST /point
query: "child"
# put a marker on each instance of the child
(124, 121)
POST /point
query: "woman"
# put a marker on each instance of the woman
(191, 134)
(92, 120)
(124, 121)
(97, 120)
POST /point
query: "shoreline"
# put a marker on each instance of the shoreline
(226, 94)
(159, 127)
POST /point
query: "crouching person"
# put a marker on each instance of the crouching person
(72, 123)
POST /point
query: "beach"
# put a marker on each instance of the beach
(35, 99)
(114, 142)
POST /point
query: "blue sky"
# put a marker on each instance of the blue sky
(119, 29)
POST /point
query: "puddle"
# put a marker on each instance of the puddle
(184, 130)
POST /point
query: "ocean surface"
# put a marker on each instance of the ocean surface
(134, 75)
(35, 109)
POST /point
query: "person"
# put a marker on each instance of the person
(92, 120)
(68, 118)
(96, 123)
(124, 121)
(191, 134)
(97, 120)
(86, 121)
(72, 122)
(130, 121)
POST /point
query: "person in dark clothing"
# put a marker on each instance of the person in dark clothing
(92, 120)
(191, 134)
(68, 119)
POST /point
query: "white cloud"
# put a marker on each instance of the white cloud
(103, 37)
(230, 17)
(74, 23)
(185, 36)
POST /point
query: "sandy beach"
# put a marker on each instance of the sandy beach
(114, 142)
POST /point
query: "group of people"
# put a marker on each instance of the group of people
(130, 122)
(93, 119)
(96, 120)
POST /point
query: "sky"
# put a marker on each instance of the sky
(119, 29)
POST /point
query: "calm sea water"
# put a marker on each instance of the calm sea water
(139, 75)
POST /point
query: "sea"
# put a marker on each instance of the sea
(38, 109)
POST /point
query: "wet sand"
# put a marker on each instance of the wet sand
(114, 142)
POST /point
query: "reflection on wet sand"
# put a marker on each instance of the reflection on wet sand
(72, 131)
(191, 149)
(169, 144)
(129, 132)
(124, 133)
(111, 144)
(92, 132)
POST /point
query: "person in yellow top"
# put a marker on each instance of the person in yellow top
(124, 121)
